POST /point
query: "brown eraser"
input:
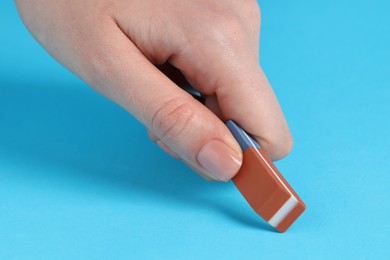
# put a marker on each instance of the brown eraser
(262, 185)
(265, 189)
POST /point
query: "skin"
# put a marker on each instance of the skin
(137, 53)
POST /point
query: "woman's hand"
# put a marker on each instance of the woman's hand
(135, 52)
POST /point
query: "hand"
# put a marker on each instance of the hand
(134, 51)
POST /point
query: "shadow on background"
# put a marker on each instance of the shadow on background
(72, 138)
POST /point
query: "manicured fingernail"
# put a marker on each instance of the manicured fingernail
(167, 149)
(219, 160)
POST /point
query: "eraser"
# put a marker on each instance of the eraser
(262, 185)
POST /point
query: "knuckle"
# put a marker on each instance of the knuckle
(251, 9)
(173, 118)
(227, 30)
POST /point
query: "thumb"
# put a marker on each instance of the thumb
(182, 123)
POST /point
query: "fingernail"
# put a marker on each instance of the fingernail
(219, 160)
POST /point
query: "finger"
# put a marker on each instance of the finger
(163, 146)
(166, 149)
(183, 124)
(201, 173)
(153, 137)
(257, 110)
(227, 67)
(169, 151)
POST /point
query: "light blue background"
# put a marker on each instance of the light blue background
(79, 178)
